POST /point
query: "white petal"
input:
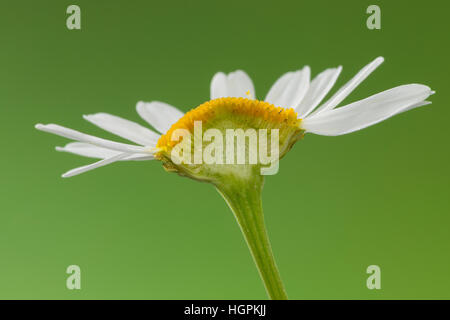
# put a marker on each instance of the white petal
(219, 86)
(289, 90)
(94, 165)
(240, 85)
(278, 87)
(90, 151)
(347, 88)
(416, 105)
(139, 157)
(318, 89)
(235, 84)
(364, 113)
(159, 114)
(76, 135)
(124, 128)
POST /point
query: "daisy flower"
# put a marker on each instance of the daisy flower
(293, 106)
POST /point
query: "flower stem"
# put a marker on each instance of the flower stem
(244, 199)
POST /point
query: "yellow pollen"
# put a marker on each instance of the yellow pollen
(260, 114)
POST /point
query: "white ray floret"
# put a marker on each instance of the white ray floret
(90, 151)
(290, 89)
(159, 114)
(318, 89)
(234, 84)
(82, 137)
(366, 112)
(124, 128)
(94, 165)
(346, 89)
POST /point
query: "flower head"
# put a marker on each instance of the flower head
(293, 104)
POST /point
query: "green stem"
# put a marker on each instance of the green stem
(244, 199)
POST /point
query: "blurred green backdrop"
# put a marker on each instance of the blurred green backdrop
(339, 204)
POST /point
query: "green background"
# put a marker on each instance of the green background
(339, 204)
